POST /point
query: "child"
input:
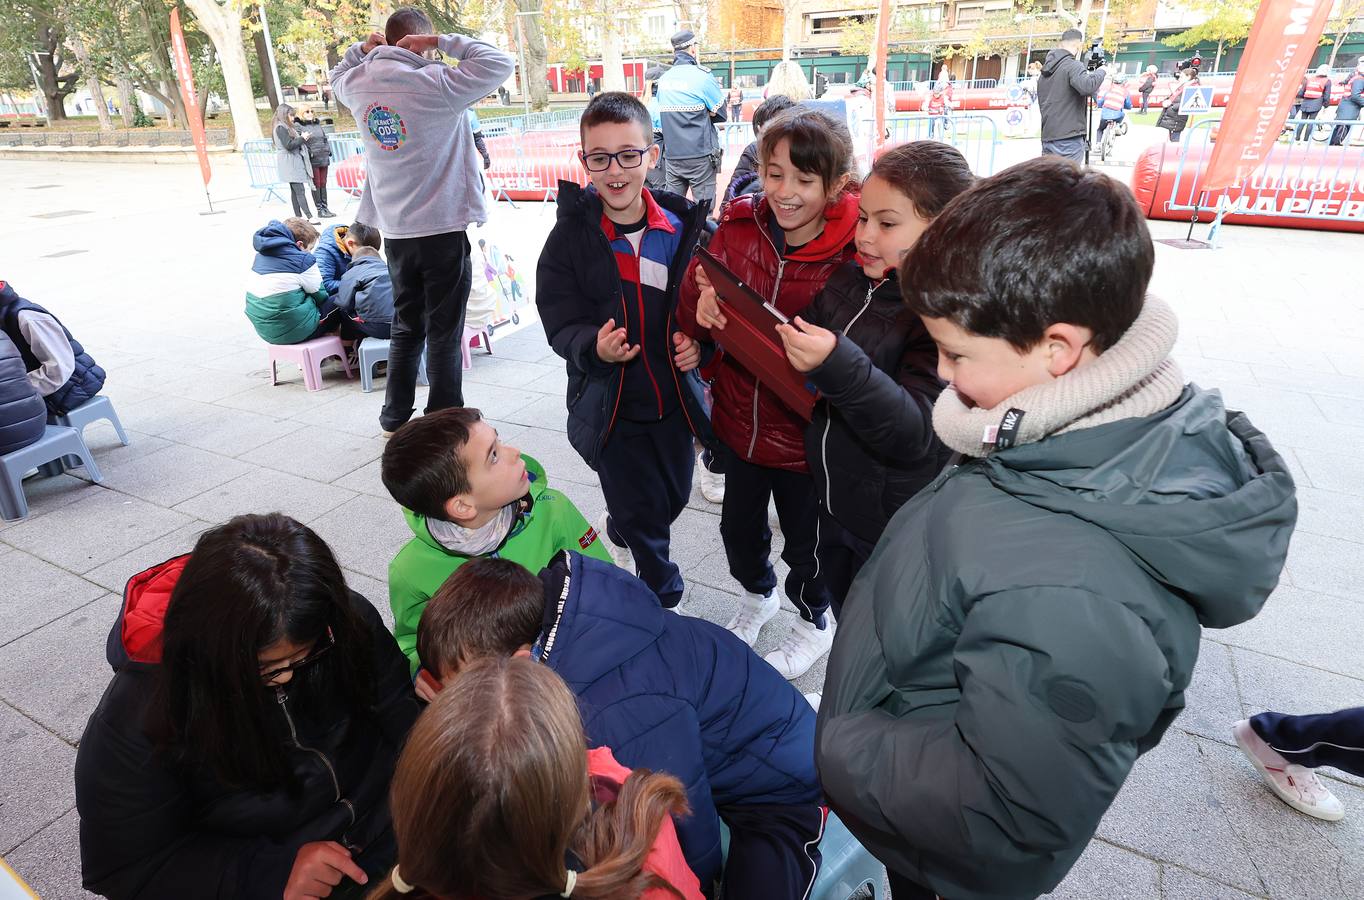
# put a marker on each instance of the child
(333, 259)
(498, 797)
(666, 692)
(1029, 622)
(465, 494)
(1113, 100)
(1285, 749)
(365, 295)
(285, 300)
(938, 105)
(58, 366)
(23, 416)
(784, 244)
(746, 178)
(319, 157)
(606, 289)
(871, 445)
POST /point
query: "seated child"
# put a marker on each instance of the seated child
(365, 295)
(664, 691)
(333, 259)
(466, 494)
(1030, 621)
(498, 797)
(58, 366)
(23, 415)
(871, 444)
(747, 175)
(285, 300)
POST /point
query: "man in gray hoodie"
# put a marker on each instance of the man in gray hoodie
(422, 189)
(1063, 92)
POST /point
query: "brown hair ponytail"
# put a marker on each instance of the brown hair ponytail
(492, 792)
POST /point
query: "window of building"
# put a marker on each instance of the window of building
(832, 24)
(657, 26)
(969, 15)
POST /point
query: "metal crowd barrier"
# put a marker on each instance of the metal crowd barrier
(734, 136)
(542, 121)
(264, 174)
(976, 136)
(1301, 179)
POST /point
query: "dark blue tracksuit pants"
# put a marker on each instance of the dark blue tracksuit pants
(645, 472)
(1329, 739)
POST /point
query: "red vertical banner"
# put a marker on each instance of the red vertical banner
(882, 83)
(1282, 42)
(185, 75)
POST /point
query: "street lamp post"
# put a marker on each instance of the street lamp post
(39, 98)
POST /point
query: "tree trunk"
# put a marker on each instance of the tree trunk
(125, 100)
(1217, 63)
(161, 84)
(223, 25)
(1335, 47)
(790, 24)
(1082, 14)
(535, 81)
(92, 84)
(55, 86)
(612, 68)
(263, 63)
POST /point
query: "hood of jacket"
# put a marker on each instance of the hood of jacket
(1178, 490)
(538, 483)
(840, 227)
(135, 640)
(1055, 58)
(277, 251)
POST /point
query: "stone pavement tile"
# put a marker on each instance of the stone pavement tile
(1306, 628)
(1348, 364)
(232, 432)
(545, 411)
(586, 497)
(37, 592)
(523, 349)
(109, 450)
(552, 450)
(1260, 402)
(162, 413)
(50, 863)
(280, 401)
(1295, 468)
(1331, 514)
(1214, 373)
(695, 536)
(209, 385)
(1339, 409)
(496, 402)
(265, 490)
(333, 376)
(1211, 702)
(505, 372)
(365, 480)
(321, 454)
(253, 361)
(36, 787)
(353, 411)
(46, 494)
(1180, 884)
(1307, 430)
(1313, 382)
(1328, 565)
(1167, 810)
(1112, 873)
(373, 590)
(555, 383)
(114, 574)
(365, 533)
(1332, 469)
(1259, 352)
(1269, 684)
(1296, 856)
(47, 682)
(121, 394)
(88, 533)
(171, 474)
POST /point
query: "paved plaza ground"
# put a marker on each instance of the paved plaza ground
(1274, 318)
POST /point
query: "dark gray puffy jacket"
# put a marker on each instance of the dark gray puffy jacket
(1026, 628)
(23, 414)
(1063, 91)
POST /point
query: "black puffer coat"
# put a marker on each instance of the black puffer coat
(871, 444)
(23, 415)
(315, 138)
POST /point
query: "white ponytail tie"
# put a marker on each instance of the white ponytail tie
(399, 885)
(570, 880)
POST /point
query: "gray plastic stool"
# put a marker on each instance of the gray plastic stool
(373, 351)
(58, 441)
(93, 410)
(847, 869)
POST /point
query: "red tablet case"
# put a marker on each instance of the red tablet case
(750, 336)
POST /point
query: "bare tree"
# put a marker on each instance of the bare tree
(92, 82)
(222, 22)
(532, 33)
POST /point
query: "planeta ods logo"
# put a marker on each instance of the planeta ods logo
(386, 126)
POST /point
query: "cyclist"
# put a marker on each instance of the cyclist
(1114, 100)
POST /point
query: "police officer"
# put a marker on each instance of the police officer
(690, 102)
(1313, 96)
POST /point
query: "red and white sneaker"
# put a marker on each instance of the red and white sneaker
(1296, 785)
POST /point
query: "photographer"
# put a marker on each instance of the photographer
(1063, 90)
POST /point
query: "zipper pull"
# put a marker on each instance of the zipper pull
(279, 695)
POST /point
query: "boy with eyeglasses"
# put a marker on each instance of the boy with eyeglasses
(607, 290)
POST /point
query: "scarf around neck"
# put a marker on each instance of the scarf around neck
(1132, 379)
(474, 541)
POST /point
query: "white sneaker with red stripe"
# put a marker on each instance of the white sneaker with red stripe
(1296, 785)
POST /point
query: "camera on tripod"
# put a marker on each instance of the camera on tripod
(1095, 58)
(1194, 62)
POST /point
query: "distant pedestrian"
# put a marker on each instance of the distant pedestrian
(292, 164)
(1314, 95)
(1170, 116)
(1350, 105)
(1148, 84)
(319, 156)
(690, 102)
(736, 103)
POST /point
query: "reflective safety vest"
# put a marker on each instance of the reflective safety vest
(1315, 87)
(1115, 98)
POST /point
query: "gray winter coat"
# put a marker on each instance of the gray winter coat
(1063, 91)
(291, 157)
(1025, 630)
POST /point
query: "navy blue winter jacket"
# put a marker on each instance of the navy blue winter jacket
(676, 694)
(332, 258)
(86, 380)
(23, 415)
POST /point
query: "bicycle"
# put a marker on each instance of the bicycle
(1111, 134)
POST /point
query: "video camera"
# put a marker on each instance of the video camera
(1194, 62)
(1095, 58)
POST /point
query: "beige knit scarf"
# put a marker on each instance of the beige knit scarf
(1134, 378)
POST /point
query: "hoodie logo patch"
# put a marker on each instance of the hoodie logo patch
(588, 537)
(385, 126)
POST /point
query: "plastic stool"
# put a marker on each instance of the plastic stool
(845, 867)
(92, 410)
(373, 351)
(474, 336)
(57, 441)
(308, 356)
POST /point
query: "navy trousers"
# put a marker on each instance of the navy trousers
(840, 555)
(773, 851)
(645, 472)
(1329, 739)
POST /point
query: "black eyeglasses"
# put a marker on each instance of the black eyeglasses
(269, 676)
(628, 159)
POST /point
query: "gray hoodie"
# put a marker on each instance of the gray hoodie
(421, 169)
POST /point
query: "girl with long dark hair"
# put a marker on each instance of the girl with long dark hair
(291, 160)
(245, 744)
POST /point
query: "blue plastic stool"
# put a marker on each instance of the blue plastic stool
(92, 410)
(57, 441)
(373, 351)
(845, 867)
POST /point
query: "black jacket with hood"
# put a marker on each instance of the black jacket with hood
(152, 829)
(1027, 627)
(871, 444)
(1063, 91)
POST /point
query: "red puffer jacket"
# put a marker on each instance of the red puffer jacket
(748, 417)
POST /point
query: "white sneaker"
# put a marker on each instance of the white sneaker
(621, 556)
(813, 699)
(712, 483)
(754, 612)
(1296, 785)
(802, 647)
